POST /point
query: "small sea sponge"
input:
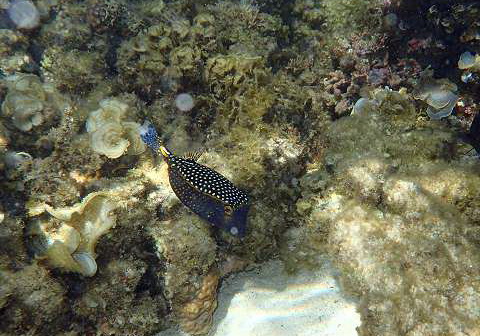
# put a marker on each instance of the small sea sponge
(26, 102)
(363, 106)
(24, 14)
(109, 134)
(184, 102)
(68, 238)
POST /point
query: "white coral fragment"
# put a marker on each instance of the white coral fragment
(110, 135)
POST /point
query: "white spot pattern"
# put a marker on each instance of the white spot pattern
(209, 181)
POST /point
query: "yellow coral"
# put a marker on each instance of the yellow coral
(110, 134)
(67, 240)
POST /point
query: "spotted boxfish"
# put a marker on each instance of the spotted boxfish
(204, 191)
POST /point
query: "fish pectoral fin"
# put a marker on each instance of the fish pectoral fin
(228, 210)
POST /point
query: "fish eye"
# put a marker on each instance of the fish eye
(234, 230)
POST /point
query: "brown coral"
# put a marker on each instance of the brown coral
(195, 317)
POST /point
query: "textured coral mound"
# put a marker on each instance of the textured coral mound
(400, 218)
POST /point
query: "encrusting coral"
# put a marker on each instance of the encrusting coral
(439, 94)
(396, 210)
(196, 315)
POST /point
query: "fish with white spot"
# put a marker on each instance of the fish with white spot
(204, 191)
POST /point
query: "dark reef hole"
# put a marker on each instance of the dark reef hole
(119, 167)
(12, 201)
(282, 8)
(114, 42)
(75, 284)
(430, 32)
(152, 283)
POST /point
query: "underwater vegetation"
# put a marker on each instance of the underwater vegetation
(351, 124)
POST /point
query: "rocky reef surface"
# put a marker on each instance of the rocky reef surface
(348, 123)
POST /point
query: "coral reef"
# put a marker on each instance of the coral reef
(399, 219)
(287, 100)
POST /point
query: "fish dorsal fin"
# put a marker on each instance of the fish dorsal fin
(194, 156)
